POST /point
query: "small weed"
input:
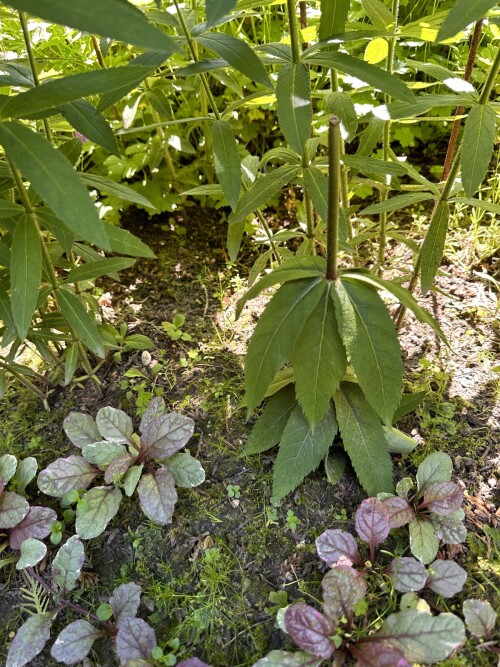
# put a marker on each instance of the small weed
(233, 491)
(174, 330)
(292, 521)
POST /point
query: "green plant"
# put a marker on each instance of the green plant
(233, 491)
(292, 521)
(174, 328)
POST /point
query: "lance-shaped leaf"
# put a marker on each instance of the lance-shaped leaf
(164, 436)
(135, 640)
(477, 146)
(276, 333)
(333, 18)
(237, 53)
(25, 272)
(424, 544)
(54, 179)
(443, 498)
(114, 425)
(81, 429)
(293, 95)
(449, 529)
(378, 14)
(342, 106)
(310, 630)
(32, 552)
(67, 565)
(424, 638)
(269, 428)
(118, 467)
(30, 640)
(433, 246)
(437, 467)
(125, 601)
(83, 116)
(156, 408)
(99, 506)
(370, 338)
(102, 453)
(287, 659)
(407, 574)
(157, 495)
(301, 450)
(400, 512)
(216, 10)
(131, 479)
(462, 14)
(35, 524)
(318, 360)
(480, 617)
(372, 521)
(13, 509)
(64, 475)
(363, 439)
(8, 465)
(380, 655)
(227, 161)
(343, 588)
(337, 545)
(121, 20)
(101, 267)
(396, 203)
(82, 324)
(446, 578)
(25, 472)
(74, 643)
(187, 471)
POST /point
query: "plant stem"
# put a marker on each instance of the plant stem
(294, 33)
(332, 232)
(303, 20)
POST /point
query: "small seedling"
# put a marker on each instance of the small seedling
(233, 491)
(292, 521)
(173, 329)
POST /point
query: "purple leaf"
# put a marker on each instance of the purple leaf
(157, 495)
(335, 545)
(480, 617)
(117, 468)
(114, 425)
(125, 601)
(135, 640)
(81, 429)
(446, 578)
(443, 497)
(63, 475)
(35, 524)
(436, 467)
(310, 630)
(156, 408)
(407, 574)
(192, 662)
(67, 565)
(103, 452)
(74, 642)
(30, 639)
(2, 486)
(13, 509)
(400, 512)
(380, 655)
(449, 529)
(343, 588)
(165, 435)
(372, 521)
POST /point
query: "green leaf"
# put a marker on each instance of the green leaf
(301, 450)
(316, 184)
(187, 471)
(409, 403)
(269, 427)
(32, 552)
(227, 161)
(54, 179)
(125, 243)
(120, 20)
(9, 210)
(342, 106)
(100, 505)
(398, 442)
(70, 363)
(238, 54)
(424, 543)
(335, 465)
(319, 360)
(433, 246)
(370, 137)
(372, 345)
(480, 617)
(67, 565)
(217, 9)
(293, 95)
(374, 76)
(101, 267)
(477, 146)
(378, 14)
(13, 509)
(363, 439)
(477, 203)
(262, 190)
(333, 17)
(30, 639)
(462, 14)
(115, 425)
(25, 273)
(274, 336)
(75, 642)
(80, 321)
(396, 203)
(84, 118)
(437, 467)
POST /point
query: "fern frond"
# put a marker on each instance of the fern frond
(35, 599)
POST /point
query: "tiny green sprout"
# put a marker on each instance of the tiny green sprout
(157, 653)
(104, 611)
(56, 537)
(69, 516)
(292, 521)
(56, 527)
(70, 498)
(173, 329)
(233, 491)
(272, 515)
(174, 643)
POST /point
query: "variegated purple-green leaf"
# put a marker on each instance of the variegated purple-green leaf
(30, 639)
(125, 601)
(74, 642)
(380, 655)
(8, 465)
(287, 659)
(117, 468)
(13, 509)
(35, 524)
(310, 630)
(421, 637)
(81, 429)
(192, 662)
(67, 565)
(437, 467)
(93, 515)
(102, 453)
(135, 640)
(407, 574)
(404, 486)
(156, 408)
(372, 521)
(115, 425)
(165, 435)
(443, 498)
(343, 587)
(64, 475)
(400, 512)
(32, 552)
(480, 617)
(450, 529)
(131, 479)
(26, 471)
(157, 495)
(446, 578)
(187, 471)
(337, 545)
(424, 544)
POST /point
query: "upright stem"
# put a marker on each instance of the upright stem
(294, 33)
(332, 232)
(303, 20)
